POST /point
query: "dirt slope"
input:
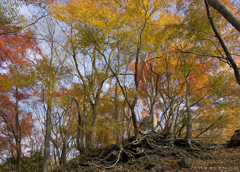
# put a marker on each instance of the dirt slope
(157, 153)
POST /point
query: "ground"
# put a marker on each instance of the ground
(156, 153)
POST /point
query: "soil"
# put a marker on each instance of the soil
(155, 152)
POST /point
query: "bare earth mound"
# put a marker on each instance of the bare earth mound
(155, 152)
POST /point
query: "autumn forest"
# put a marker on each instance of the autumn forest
(79, 74)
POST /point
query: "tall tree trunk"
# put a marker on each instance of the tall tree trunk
(19, 160)
(135, 122)
(171, 130)
(67, 135)
(83, 131)
(18, 136)
(154, 117)
(171, 88)
(116, 114)
(189, 116)
(151, 96)
(129, 128)
(133, 105)
(47, 140)
(93, 133)
(64, 154)
(80, 129)
(182, 127)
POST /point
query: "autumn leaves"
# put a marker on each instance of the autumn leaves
(110, 68)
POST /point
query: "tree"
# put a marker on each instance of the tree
(114, 32)
(15, 75)
(227, 13)
(109, 68)
(15, 90)
(230, 60)
(49, 71)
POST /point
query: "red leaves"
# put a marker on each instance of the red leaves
(15, 120)
(14, 48)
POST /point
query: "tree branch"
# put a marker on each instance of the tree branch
(226, 51)
(230, 16)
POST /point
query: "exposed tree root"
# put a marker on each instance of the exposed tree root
(141, 150)
(130, 149)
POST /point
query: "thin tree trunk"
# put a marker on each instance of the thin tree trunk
(64, 154)
(19, 160)
(83, 131)
(129, 128)
(151, 96)
(117, 117)
(189, 116)
(116, 114)
(93, 133)
(154, 118)
(171, 130)
(80, 129)
(133, 104)
(171, 89)
(181, 128)
(55, 157)
(135, 122)
(18, 136)
(67, 135)
(47, 140)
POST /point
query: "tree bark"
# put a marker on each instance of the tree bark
(230, 16)
(93, 133)
(67, 135)
(83, 130)
(171, 130)
(117, 114)
(189, 116)
(47, 140)
(154, 117)
(82, 115)
(171, 89)
(182, 127)
(63, 159)
(19, 160)
(18, 136)
(135, 122)
(79, 127)
(152, 96)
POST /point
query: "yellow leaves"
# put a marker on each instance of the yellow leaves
(8, 83)
(94, 12)
(107, 14)
(58, 12)
(223, 121)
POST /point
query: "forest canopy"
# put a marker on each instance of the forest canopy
(77, 74)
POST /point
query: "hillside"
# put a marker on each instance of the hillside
(155, 152)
